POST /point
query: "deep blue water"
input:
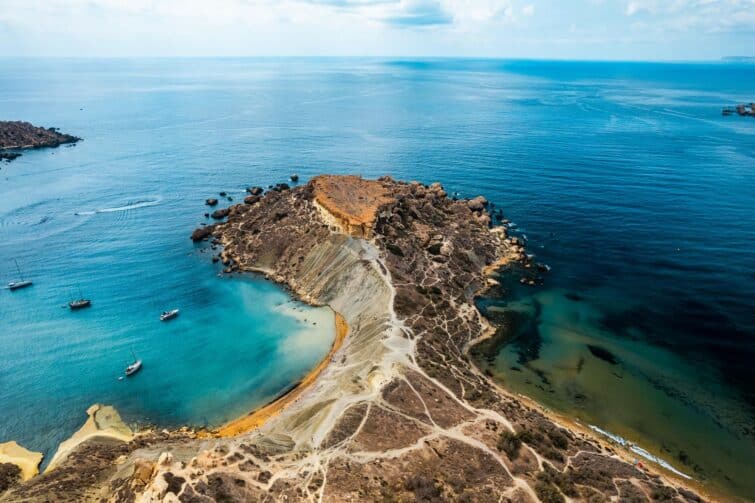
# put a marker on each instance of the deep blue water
(624, 177)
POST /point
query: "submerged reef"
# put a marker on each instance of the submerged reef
(398, 413)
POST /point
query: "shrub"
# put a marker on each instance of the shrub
(424, 488)
(547, 493)
(558, 439)
(509, 443)
(10, 474)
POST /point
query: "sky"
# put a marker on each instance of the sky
(540, 29)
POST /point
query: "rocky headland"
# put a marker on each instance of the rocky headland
(18, 135)
(396, 412)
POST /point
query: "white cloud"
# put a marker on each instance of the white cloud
(520, 28)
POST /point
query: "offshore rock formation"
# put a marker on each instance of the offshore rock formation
(17, 135)
(399, 413)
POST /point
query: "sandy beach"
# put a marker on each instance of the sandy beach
(258, 417)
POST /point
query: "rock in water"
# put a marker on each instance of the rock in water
(477, 204)
(211, 201)
(221, 213)
(201, 233)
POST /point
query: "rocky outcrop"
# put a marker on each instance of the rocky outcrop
(10, 475)
(103, 422)
(221, 213)
(16, 135)
(201, 233)
(9, 156)
(399, 413)
(349, 203)
(25, 460)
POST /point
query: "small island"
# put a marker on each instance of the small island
(396, 411)
(18, 135)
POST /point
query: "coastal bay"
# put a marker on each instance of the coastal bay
(138, 185)
(399, 393)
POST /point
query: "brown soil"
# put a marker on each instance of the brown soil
(352, 200)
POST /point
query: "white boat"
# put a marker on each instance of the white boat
(22, 283)
(79, 303)
(15, 285)
(134, 367)
(169, 315)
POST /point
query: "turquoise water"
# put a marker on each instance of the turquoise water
(624, 177)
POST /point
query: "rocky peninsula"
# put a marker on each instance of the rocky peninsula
(17, 135)
(397, 412)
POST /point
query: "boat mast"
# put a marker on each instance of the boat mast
(19, 270)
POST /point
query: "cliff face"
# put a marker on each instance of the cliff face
(399, 414)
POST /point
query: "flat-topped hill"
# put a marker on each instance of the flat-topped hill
(351, 200)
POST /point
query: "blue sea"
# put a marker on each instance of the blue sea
(623, 177)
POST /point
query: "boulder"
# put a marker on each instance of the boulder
(477, 204)
(396, 250)
(252, 199)
(255, 191)
(294, 177)
(201, 233)
(142, 472)
(221, 213)
(223, 194)
(280, 187)
(211, 201)
(434, 248)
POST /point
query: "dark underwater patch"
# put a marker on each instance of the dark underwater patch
(603, 354)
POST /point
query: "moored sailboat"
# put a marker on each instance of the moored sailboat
(21, 283)
(169, 315)
(79, 303)
(135, 367)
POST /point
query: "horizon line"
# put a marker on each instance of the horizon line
(721, 59)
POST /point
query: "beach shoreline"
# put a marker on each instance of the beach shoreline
(259, 416)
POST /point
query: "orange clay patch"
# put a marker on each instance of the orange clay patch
(351, 200)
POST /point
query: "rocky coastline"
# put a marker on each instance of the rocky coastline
(399, 412)
(16, 136)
